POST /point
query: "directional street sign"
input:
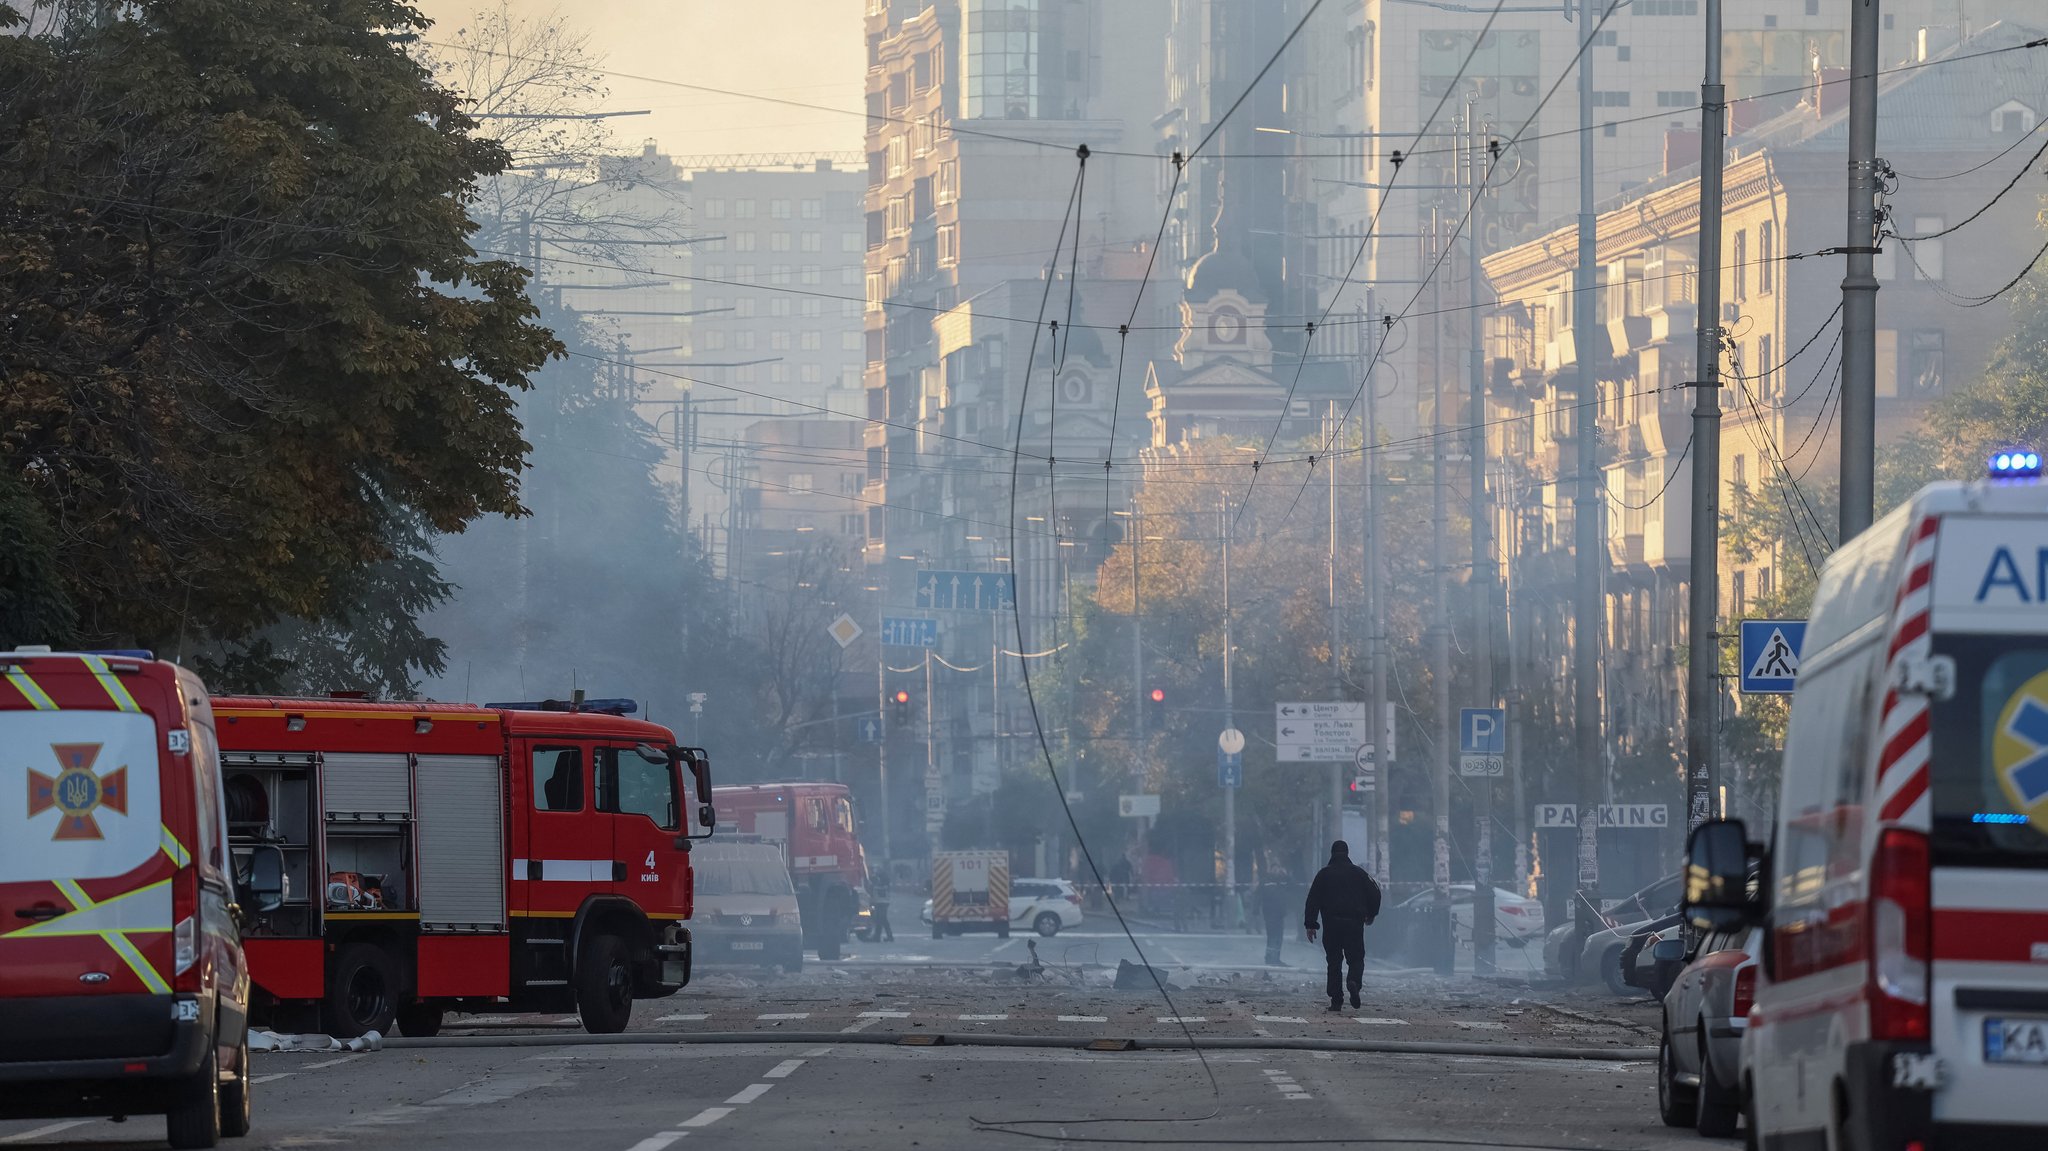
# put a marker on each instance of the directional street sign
(1770, 654)
(967, 591)
(1319, 732)
(870, 728)
(1229, 768)
(1482, 741)
(1137, 806)
(909, 631)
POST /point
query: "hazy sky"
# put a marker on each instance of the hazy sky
(806, 50)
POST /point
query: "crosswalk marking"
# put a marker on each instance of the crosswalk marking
(1181, 1019)
(682, 1019)
(983, 1018)
(1084, 1019)
(786, 1015)
(1279, 1019)
(885, 1015)
(1372, 1021)
(1481, 1025)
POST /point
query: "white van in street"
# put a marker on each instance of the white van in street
(1903, 1000)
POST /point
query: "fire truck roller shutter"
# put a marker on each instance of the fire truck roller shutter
(461, 854)
(366, 784)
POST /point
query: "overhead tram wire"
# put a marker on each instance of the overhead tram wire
(1478, 183)
(1017, 618)
(1988, 204)
(1059, 359)
(1364, 241)
(1769, 449)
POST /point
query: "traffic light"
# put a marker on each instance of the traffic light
(1155, 707)
(900, 705)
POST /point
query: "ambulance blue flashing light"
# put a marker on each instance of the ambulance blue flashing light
(2019, 463)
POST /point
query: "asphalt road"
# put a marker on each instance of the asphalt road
(648, 1098)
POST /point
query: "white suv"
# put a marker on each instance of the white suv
(1047, 906)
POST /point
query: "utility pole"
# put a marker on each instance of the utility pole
(1859, 286)
(1330, 435)
(1138, 695)
(1703, 595)
(1482, 573)
(1376, 607)
(1588, 507)
(882, 745)
(934, 779)
(1229, 718)
(1440, 629)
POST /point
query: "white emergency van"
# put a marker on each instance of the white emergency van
(1903, 1001)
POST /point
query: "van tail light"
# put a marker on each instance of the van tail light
(1901, 897)
(1074, 897)
(185, 935)
(1745, 991)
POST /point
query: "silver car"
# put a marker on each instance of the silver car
(1699, 1060)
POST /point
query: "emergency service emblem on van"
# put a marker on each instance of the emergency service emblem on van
(77, 791)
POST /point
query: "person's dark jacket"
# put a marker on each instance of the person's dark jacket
(1276, 900)
(1342, 891)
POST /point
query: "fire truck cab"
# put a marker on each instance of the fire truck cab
(437, 857)
(814, 824)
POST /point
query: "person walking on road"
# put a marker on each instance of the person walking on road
(1345, 899)
(878, 910)
(1277, 892)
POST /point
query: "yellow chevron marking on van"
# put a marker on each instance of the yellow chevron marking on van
(112, 684)
(116, 938)
(37, 698)
(173, 848)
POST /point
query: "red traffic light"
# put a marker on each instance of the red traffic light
(1158, 695)
(902, 696)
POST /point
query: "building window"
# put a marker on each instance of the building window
(1677, 98)
(813, 308)
(1616, 99)
(742, 209)
(778, 373)
(1766, 257)
(899, 215)
(811, 374)
(949, 181)
(1666, 7)
(1927, 254)
(812, 274)
(1738, 595)
(849, 341)
(1925, 366)
(1739, 477)
(779, 306)
(802, 482)
(899, 156)
(814, 209)
(999, 62)
(813, 241)
(778, 242)
(714, 209)
(744, 307)
(1766, 366)
(779, 274)
(949, 245)
(812, 341)
(743, 340)
(1738, 280)
(714, 340)
(778, 209)
(874, 294)
(851, 242)
(744, 242)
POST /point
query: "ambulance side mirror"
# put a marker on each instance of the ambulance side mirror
(267, 883)
(1717, 868)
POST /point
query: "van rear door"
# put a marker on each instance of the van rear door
(87, 853)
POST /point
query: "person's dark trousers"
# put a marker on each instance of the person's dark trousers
(1276, 933)
(882, 929)
(1344, 941)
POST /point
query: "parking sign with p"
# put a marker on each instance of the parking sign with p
(1482, 741)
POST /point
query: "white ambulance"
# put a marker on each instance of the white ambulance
(1903, 1001)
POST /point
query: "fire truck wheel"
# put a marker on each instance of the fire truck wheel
(419, 1020)
(604, 986)
(194, 1117)
(234, 1097)
(362, 991)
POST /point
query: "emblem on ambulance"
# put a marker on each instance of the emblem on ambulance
(77, 792)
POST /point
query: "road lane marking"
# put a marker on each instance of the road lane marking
(983, 1018)
(1482, 1025)
(39, 1132)
(1279, 1019)
(682, 1019)
(750, 1093)
(706, 1117)
(858, 1025)
(885, 1015)
(786, 1015)
(1371, 1021)
(332, 1062)
(1084, 1019)
(271, 1078)
(1182, 1019)
(782, 1070)
(494, 1090)
(657, 1142)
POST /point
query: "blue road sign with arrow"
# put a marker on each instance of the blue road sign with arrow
(967, 591)
(909, 631)
(1229, 768)
(1770, 654)
(870, 727)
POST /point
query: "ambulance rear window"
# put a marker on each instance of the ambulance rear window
(80, 794)
(1990, 753)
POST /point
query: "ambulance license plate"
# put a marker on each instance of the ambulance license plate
(2016, 1041)
(756, 946)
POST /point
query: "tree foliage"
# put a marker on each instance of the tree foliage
(247, 348)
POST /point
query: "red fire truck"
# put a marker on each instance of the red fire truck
(510, 857)
(815, 827)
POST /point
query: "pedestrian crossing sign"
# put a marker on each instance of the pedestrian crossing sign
(1770, 654)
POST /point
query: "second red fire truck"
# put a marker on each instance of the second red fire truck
(437, 857)
(813, 823)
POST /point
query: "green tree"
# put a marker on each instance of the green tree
(247, 351)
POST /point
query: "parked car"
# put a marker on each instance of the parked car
(1516, 919)
(1654, 956)
(1600, 954)
(1047, 906)
(746, 906)
(1699, 1058)
(124, 989)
